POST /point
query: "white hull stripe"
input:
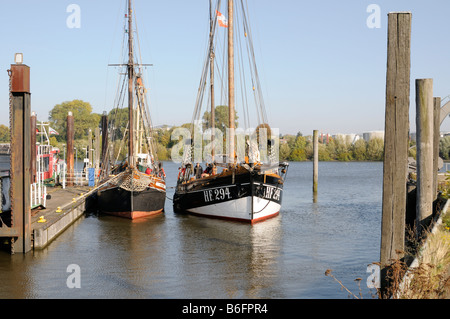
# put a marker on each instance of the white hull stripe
(240, 208)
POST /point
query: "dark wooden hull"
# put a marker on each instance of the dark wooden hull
(123, 203)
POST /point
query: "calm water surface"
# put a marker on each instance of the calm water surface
(183, 256)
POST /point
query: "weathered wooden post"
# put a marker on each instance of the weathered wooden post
(425, 138)
(316, 164)
(104, 135)
(20, 156)
(70, 137)
(396, 141)
(436, 139)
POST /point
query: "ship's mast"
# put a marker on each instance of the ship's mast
(211, 61)
(130, 88)
(231, 82)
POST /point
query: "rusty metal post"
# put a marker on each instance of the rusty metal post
(33, 147)
(20, 157)
(70, 137)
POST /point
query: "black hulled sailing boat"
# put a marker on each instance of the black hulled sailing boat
(136, 187)
(243, 188)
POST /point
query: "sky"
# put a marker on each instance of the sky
(321, 66)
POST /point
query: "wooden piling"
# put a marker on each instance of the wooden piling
(104, 135)
(425, 138)
(70, 157)
(316, 164)
(396, 140)
(436, 139)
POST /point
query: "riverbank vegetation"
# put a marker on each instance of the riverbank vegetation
(292, 147)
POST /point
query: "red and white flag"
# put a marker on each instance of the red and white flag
(52, 131)
(223, 22)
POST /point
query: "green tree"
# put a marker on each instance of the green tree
(84, 119)
(324, 155)
(444, 148)
(163, 152)
(118, 120)
(4, 134)
(331, 148)
(221, 118)
(375, 149)
(299, 149)
(359, 150)
(342, 150)
(285, 151)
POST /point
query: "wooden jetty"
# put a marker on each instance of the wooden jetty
(63, 209)
(24, 227)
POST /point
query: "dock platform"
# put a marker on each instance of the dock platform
(63, 209)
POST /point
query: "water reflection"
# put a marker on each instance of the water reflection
(228, 259)
(184, 256)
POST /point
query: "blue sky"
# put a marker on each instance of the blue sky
(320, 66)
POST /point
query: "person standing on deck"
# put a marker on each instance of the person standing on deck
(198, 170)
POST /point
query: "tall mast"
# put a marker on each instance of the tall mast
(231, 81)
(130, 88)
(211, 61)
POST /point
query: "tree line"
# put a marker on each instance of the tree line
(292, 147)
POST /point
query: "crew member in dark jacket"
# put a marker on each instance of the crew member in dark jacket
(198, 170)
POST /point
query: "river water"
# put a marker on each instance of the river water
(183, 256)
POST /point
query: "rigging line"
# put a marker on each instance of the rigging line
(202, 85)
(219, 69)
(254, 86)
(203, 78)
(258, 78)
(240, 65)
(200, 91)
(223, 73)
(258, 92)
(115, 120)
(110, 52)
(143, 105)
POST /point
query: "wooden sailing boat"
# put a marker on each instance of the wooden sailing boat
(246, 189)
(137, 188)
